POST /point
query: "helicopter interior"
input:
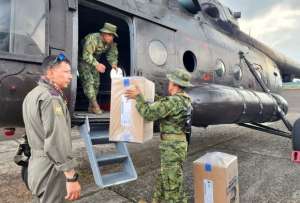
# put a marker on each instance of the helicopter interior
(91, 19)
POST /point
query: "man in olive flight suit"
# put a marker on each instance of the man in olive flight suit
(172, 112)
(51, 174)
(94, 45)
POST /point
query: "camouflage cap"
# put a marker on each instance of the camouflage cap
(110, 29)
(180, 77)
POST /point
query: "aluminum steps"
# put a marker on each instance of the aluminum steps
(97, 134)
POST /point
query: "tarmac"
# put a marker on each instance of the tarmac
(266, 173)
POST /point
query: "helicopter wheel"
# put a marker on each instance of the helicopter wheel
(296, 135)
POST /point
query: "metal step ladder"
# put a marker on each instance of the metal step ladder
(97, 134)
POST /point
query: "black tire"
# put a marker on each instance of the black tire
(24, 174)
(296, 135)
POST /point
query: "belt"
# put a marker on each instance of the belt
(171, 137)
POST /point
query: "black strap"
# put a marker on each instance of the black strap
(188, 125)
(188, 121)
(23, 153)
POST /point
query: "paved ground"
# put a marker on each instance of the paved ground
(266, 173)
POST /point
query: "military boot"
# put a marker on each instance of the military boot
(94, 108)
(90, 107)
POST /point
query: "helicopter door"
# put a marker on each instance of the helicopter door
(60, 24)
(63, 37)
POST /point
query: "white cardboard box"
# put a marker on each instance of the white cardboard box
(216, 178)
(126, 124)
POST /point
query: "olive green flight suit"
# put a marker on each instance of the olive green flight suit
(48, 128)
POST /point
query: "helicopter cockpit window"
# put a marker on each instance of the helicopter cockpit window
(217, 16)
(22, 30)
(211, 10)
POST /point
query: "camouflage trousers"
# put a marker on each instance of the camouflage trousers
(169, 184)
(90, 80)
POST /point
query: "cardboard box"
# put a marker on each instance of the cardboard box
(216, 178)
(126, 124)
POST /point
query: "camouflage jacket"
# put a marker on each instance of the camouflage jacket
(171, 111)
(93, 47)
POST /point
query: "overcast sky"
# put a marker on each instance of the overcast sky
(274, 22)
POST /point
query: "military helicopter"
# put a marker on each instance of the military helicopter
(236, 77)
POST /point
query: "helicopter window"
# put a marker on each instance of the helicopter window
(158, 52)
(189, 61)
(4, 24)
(237, 72)
(22, 31)
(220, 68)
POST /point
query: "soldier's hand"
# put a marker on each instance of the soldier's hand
(100, 68)
(73, 190)
(132, 92)
(114, 66)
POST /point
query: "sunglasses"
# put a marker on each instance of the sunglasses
(59, 58)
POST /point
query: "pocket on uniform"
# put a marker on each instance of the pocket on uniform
(30, 178)
(172, 179)
(36, 181)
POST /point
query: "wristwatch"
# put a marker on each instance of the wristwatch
(73, 179)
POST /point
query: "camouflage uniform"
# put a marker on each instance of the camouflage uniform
(171, 112)
(93, 47)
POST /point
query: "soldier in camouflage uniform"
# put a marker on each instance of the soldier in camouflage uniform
(172, 112)
(94, 45)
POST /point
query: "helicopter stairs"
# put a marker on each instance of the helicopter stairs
(96, 134)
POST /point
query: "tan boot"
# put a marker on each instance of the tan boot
(90, 108)
(94, 108)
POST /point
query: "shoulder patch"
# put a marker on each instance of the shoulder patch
(57, 109)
